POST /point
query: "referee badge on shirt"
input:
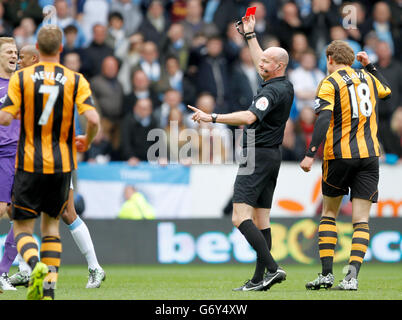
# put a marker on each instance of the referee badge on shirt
(262, 104)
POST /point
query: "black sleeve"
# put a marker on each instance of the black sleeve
(373, 70)
(264, 102)
(320, 131)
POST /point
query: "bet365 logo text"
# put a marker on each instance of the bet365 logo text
(297, 243)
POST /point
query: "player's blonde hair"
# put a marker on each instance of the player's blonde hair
(4, 40)
(49, 39)
(341, 52)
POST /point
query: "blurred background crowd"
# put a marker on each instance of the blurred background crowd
(147, 59)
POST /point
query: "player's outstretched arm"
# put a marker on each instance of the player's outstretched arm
(233, 119)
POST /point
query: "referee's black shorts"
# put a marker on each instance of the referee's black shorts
(359, 175)
(257, 188)
(36, 192)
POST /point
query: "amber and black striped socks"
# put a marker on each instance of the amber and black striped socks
(327, 238)
(50, 253)
(28, 248)
(360, 242)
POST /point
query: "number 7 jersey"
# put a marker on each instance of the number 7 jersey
(45, 95)
(351, 95)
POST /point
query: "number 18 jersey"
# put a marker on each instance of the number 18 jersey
(45, 95)
(351, 95)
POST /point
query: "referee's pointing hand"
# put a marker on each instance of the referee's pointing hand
(199, 115)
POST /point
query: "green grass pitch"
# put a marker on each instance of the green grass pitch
(215, 282)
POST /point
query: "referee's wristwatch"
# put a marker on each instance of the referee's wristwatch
(214, 116)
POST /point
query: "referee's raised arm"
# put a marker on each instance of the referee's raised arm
(251, 39)
(271, 66)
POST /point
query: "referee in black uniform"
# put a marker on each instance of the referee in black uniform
(255, 183)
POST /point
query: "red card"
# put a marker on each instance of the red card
(250, 11)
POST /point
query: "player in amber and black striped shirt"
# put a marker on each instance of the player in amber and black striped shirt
(351, 95)
(347, 104)
(43, 96)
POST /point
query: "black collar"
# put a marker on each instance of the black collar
(273, 80)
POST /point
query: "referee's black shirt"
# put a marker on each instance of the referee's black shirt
(271, 105)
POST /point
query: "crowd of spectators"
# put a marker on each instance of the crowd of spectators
(147, 59)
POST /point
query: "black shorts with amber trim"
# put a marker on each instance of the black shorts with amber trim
(36, 192)
(359, 176)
